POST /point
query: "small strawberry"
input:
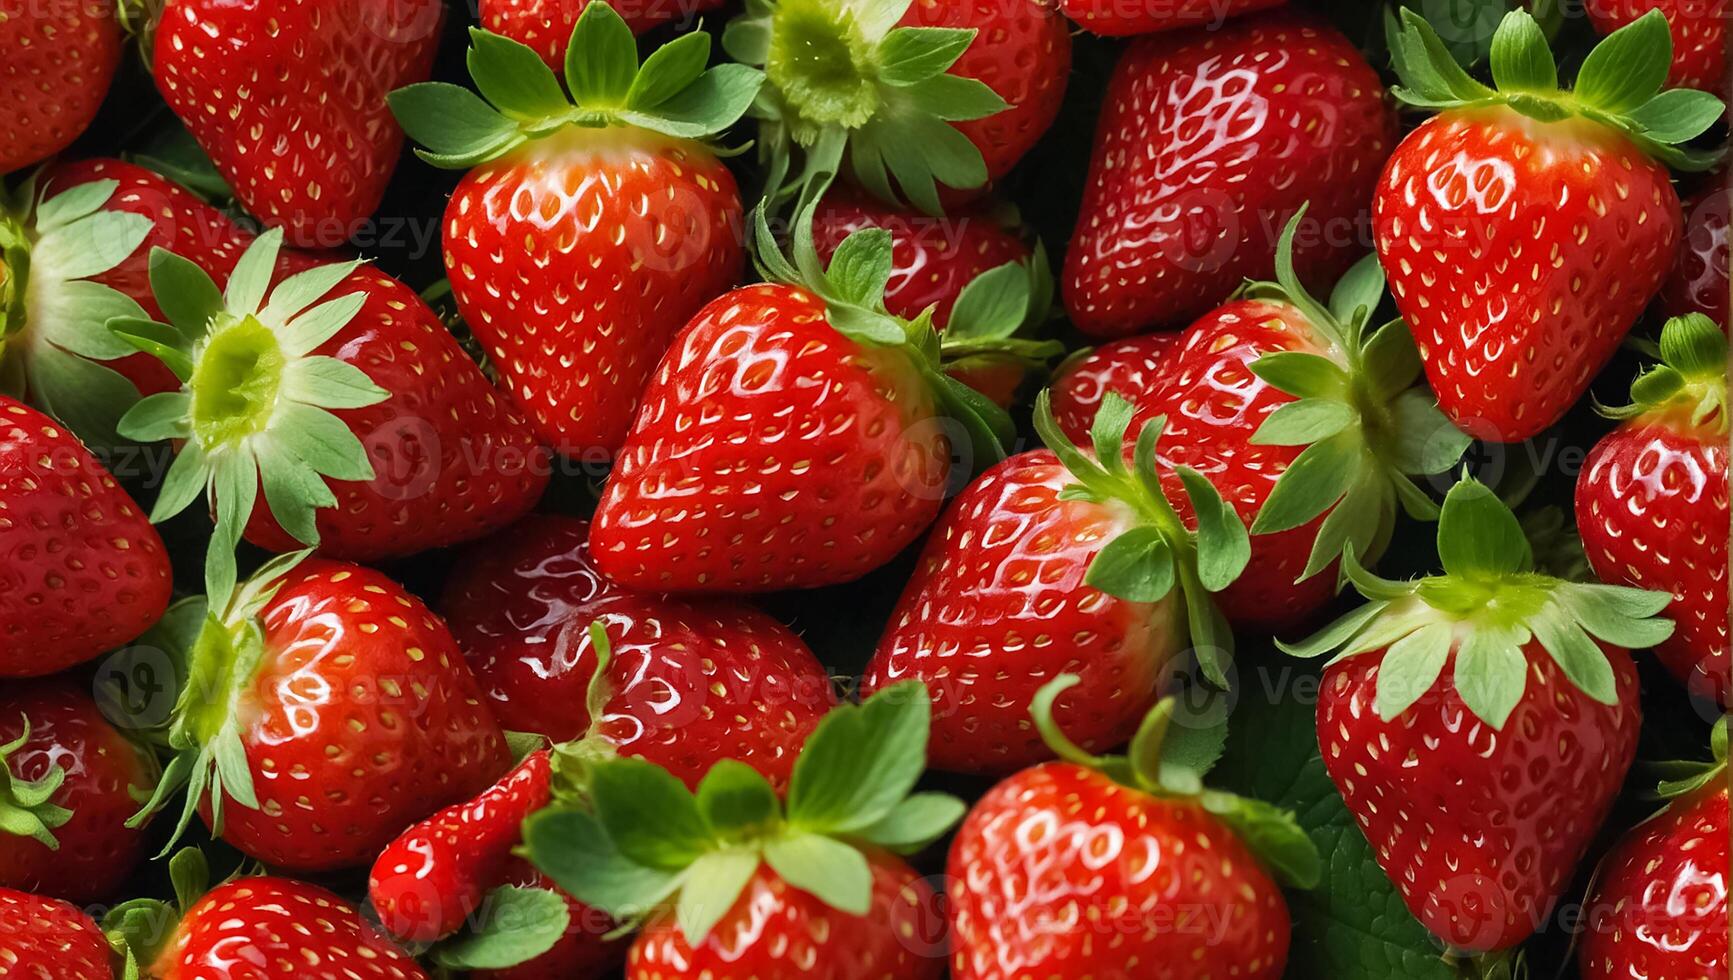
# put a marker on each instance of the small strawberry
(288, 100)
(325, 710)
(47, 939)
(546, 25)
(68, 784)
(927, 101)
(1128, 847)
(341, 397)
(1651, 501)
(1658, 907)
(82, 570)
(1210, 141)
(1118, 18)
(795, 435)
(1052, 562)
(1479, 724)
(589, 228)
(1498, 219)
(1698, 283)
(731, 882)
(1699, 58)
(60, 57)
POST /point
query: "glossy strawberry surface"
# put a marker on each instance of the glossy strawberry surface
(1118, 17)
(1143, 887)
(61, 56)
(1699, 281)
(1699, 36)
(546, 25)
(47, 939)
(1134, 369)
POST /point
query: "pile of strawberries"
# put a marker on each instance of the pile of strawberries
(354, 625)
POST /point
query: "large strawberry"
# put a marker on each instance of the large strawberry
(795, 435)
(1117, 18)
(1699, 282)
(1698, 29)
(81, 570)
(1059, 561)
(590, 227)
(288, 100)
(68, 784)
(1210, 141)
(325, 710)
(1123, 845)
(1479, 723)
(60, 57)
(337, 412)
(1498, 219)
(1659, 903)
(1651, 502)
(546, 25)
(916, 101)
(47, 939)
(730, 882)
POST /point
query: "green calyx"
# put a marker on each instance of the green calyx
(649, 844)
(1169, 758)
(27, 806)
(255, 406)
(1144, 563)
(1370, 424)
(141, 930)
(853, 290)
(1691, 380)
(1684, 779)
(573, 762)
(1620, 84)
(515, 925)
(996, 313)
(210, 758)
(1487, 607)
(845, 79)
(54, 340)
(672, 93)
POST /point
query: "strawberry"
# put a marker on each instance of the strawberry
(1698, 283)
(369, 431)
(1210, 141)
(69, 784)
(264, 928)
(591, 227)
(1699, 58)
(1135, 847)
(1479, 724)
(805, 392)
(1055, 561)
(928, 101)
(1498, 218)
(1120, 18)
(47, 939)
(325, 710)
(546, 25)
(83, 571)
(587, 949)
(732, 882)
(61, 56)
(1651, 501)
(307, 151)
(1658, 907)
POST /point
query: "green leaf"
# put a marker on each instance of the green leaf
(1136, 566)
(1602, 612)
(1478, 536)
(1491, 673)
(669, 70)
(1629, 67)
(235, 485)
(186, 479)
(74, 317)
(159, 417)
(914, 54)
(709, 889)
(322, 441)
(602, 60)
(159, 340)
(312, 328)
(245, 293)
(994, 305)
(1410, 668)
(649, 814)
(72, 204)
(330, 383)
(1359, 291)
(514, 78)
(1390, 360)
(1336, 635)
(1521, 59)
(1303, 422)
(865, 326)
(455, 124)
(1223, 546)
(916, 823)
(86, 397)
(303, 289)
(1190, 748)
(187, 295)
(861, 267)
(733, 799)
(572, 848)
(708, 106)
(1273, 835)
(519, 925)
(953, 98)
(833, 872)
(1427, 442)
(1212, 639)
(89, 246)
(1677, 115)
(1312, 483)
(1303, 375)
(293, 492)
(1430, 73)
(1584, 663)
(860, 762)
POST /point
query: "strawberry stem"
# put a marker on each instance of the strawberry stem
(26, 806)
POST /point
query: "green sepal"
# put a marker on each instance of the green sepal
(861, 762)
(1685, 779)
(517, 925)
(649, 815)
(27, 807)
(1692, 376)
(711, 885)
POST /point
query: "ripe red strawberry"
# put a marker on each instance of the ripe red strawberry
(82, 570)
(582, 238)
(61, 56)
(546, 25)
(46, 939)
(1130, 368)
(1699, 57)
(309, 151)
(1659, 904)
(70, 784)
(1498, 218)
(730, 882)
(1122, 844)
(1210, 141)
(929, 102)
(1117, 18)
(298, 777)
(341, 400)
(1699, 283)
(794, 436)
(1651, 502)
(1479, 724)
